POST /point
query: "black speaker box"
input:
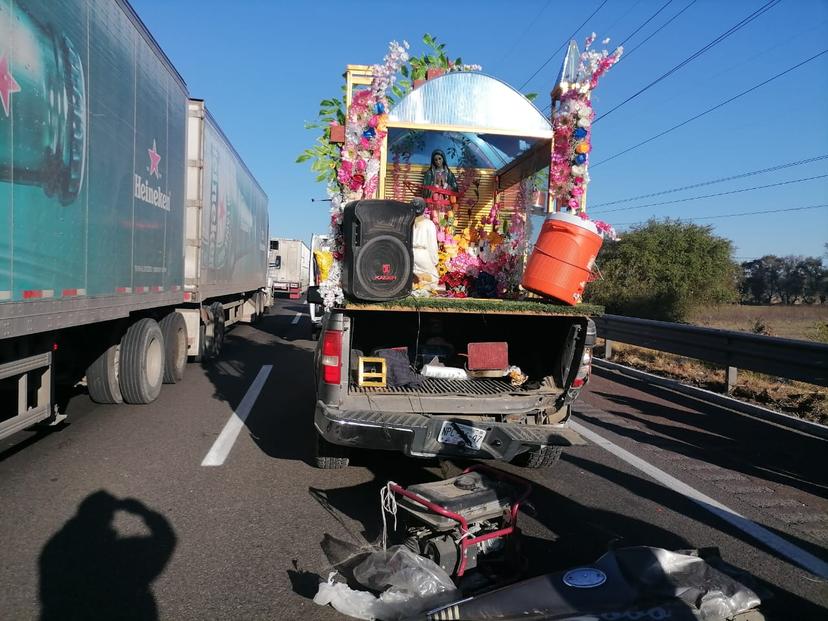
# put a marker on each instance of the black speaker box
(379, 262)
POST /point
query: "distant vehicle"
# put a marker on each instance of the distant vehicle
(288, 265)
(139, 235)
(319, 244)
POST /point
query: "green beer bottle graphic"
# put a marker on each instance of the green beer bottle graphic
(42, 106)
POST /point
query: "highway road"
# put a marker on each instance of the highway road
(173, 511)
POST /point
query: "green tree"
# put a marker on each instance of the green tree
(664, 269)
(762, 279)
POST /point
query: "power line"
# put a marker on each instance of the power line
(714, 181)
(627, 53)
(526, 30)
(733, 29)
(695, 198)
(564, 44)
(738, 215)
(664, 25)
(647, 21)
(709, 110)
(630, 9)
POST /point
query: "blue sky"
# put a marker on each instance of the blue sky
(263, 66)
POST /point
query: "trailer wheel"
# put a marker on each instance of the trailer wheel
(213, 344)
(330, 456)
(174, 329)
(142, 362)
(541, 457)
(202, 336)
(102, 377)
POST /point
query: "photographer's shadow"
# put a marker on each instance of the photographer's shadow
(89, 571)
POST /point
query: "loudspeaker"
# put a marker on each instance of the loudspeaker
(379, 262)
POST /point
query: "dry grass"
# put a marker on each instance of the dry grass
(796, 398)
(805, 322)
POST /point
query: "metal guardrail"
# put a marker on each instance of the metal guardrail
(792, 359)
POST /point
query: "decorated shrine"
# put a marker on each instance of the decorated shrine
(477, 156)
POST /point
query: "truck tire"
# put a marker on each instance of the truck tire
(330, 456)
(214, 343)
(142, 362)
(174, 329)
(542, 457)
(102, 377)
(202, 335)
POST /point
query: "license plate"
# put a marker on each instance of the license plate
(461, 435)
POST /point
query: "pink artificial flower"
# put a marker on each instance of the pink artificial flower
(573, 203)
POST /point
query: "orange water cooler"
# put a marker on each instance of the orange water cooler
(561, 263)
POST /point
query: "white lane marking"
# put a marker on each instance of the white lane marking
(221, 447)
(804, 559)
(296, 319)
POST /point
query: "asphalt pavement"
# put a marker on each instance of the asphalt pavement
(112, 515)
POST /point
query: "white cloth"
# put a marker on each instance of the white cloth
(425, 250)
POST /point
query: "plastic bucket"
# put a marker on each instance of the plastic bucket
(561, 263)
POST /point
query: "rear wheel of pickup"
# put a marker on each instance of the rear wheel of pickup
(330, 456)
(543, 457)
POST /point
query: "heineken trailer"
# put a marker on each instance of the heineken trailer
(131, 232)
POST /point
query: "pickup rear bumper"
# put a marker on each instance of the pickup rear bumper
(416, 435)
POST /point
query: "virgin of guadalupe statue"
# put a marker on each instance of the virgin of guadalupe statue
(438, 177)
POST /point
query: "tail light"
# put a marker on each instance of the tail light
(332, 357)
(584, 369)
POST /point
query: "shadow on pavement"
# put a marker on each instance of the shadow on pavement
(718, 436)
(89, 571)
(777, 602)
(281, 423)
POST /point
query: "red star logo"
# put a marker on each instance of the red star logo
(8, 85)
(154, 160)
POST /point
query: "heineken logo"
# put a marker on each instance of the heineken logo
(155, 196)
(155, 159)
(8, 85)
(144, 190)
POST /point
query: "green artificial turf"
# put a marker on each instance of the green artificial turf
(479, 305)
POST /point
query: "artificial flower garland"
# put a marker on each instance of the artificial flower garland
(572, 129)
(358, 174)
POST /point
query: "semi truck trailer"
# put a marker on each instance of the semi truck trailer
(131, 232)
(288, 267)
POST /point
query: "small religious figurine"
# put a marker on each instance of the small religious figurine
(439, 177)
(424, 243)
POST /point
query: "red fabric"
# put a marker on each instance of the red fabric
(488, 356)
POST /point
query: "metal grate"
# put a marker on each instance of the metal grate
(431, 386)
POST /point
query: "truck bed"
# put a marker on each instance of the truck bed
(468, 388)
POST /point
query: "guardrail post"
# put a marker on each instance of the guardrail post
(607, 349)
(732, 372)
